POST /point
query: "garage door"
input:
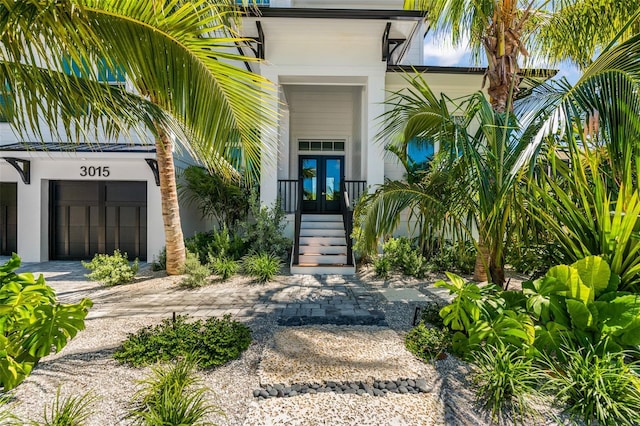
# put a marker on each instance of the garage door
(98, 217)
(8, 218)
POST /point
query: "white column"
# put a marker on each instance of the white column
(32, 213)
(269, 157)
(374, 149)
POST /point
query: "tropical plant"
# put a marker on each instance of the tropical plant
(588, 199)
(485, 316)
(593, 387)
(506, 377)
(403, 257)
(505, 30)
(191, 37)
(67, 411)
(382, 266)
(262, 266)
(196, 273)
(428, 343)
(211, 343)
(215, 196)
(32, 322)
(580, 304)
(111, 269)
(224, 267)
(172, 395)
(263, 232)
(485, 163)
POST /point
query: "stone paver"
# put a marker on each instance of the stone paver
(293, 299)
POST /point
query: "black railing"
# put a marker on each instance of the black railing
(288, 195)
(355, 188)
(296, 235)
(347, 218)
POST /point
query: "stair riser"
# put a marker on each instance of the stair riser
(322, 225)
(314, 249)
(322, 232)
(323, 241)
(321, 218)
(323, 270)
(323, 259)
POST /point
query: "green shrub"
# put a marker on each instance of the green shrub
(196, 274)
(32, 322)
(160, 263)
(459, 257)
(263, 233)
(485, 315)
(172, 396)
(427, 343)
(220, 243)
(201, 244)
(597, 389)
(505, 377)
(431, 315)
(69, 411)
(403, 257)
(212, 343)
(223, 266)
(534, 259)
(262, 266)
(382, 266)
(111, 269)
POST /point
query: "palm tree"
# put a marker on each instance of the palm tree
(548, 30)
(484, 164)
(177, 55)
(590, 201)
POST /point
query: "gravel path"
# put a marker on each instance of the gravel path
(311, 354)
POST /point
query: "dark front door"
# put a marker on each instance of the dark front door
(321, 182)
(8, 218)
(89, 217)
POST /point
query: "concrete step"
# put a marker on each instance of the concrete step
(323, 269)
(321, 225)
(321, 218)
(326, 249)
(323, 241)
(322, 259)
(322, 232)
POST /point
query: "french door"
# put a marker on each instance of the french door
(321, 183)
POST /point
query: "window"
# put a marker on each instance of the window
(71, 67)
(420, 153)
(254, 2)
(111, 74)
(6, 103)
(321, 145)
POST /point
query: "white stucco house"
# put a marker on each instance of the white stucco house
(334, 62)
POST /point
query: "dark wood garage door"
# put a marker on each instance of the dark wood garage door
(89, 217)
(8, 218)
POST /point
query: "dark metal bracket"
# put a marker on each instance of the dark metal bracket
(258, 50)
(23, 167)
(390, 45)
(153, 165)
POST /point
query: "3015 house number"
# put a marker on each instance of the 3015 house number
(93, 171)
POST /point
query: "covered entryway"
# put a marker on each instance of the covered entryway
(8, 218)
(321, 183)
(89, 217)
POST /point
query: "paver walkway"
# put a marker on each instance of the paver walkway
(294, 299)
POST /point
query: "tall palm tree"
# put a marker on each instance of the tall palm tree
(506, 30)
(178, 56)
(481, 147)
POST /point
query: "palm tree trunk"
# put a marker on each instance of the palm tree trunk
(482, 263)
(502, 45)
(174, 239)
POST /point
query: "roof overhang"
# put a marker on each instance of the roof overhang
(302, 12)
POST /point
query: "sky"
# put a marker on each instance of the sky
(442, 53)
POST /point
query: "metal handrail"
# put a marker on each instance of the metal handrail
(298, 222)
(347, 219)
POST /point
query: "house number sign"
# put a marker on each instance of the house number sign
(94, 171)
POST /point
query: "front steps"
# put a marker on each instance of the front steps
(322, 246)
